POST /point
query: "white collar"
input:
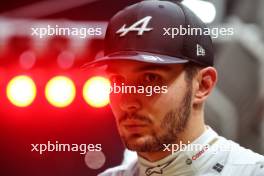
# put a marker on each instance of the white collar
(185, 162)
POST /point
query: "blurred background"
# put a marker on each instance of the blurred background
(42, 82)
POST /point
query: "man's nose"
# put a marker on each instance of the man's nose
(129, 103)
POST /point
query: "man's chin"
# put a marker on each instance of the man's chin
(141, 143)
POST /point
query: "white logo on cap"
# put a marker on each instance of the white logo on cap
(151, 58)
(200, 51)
(135, 27)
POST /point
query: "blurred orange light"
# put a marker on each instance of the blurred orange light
(60, 91)
(21, 91)
(96, 91)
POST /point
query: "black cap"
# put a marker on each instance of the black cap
(142, 32)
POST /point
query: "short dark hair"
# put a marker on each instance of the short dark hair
(191, 69)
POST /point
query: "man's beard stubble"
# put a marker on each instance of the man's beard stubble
(173, 123)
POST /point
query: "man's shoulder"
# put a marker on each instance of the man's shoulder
(243, 161)
(241, 155)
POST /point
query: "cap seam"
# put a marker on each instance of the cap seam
(183, 57)
(185, 25)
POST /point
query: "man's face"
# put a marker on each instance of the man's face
(145, 123)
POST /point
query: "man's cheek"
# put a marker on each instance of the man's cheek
(157, 126)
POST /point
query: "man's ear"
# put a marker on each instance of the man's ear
(204, 84)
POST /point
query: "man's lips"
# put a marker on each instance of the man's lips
(131, 123)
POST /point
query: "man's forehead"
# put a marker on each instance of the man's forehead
(136, 66)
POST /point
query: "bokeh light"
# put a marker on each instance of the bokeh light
(96, 91)
(60, 91)
(21, 91)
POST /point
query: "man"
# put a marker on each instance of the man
(144, 48)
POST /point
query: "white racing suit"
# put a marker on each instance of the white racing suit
(218, 156)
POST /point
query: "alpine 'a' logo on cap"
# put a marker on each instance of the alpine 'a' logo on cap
(152, 58)
(136, 27)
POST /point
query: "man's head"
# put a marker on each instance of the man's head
(145, 123)
(143, 49)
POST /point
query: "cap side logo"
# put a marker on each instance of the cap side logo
(152, 58)
(140, 26)
(200, 51)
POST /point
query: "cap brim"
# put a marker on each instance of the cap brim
(135, 56)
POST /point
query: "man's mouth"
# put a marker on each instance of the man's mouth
(135, 125)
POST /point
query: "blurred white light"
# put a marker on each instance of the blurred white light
(94, 159)
(205, 10)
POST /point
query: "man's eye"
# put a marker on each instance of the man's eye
(116, 79)
(151, 78)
